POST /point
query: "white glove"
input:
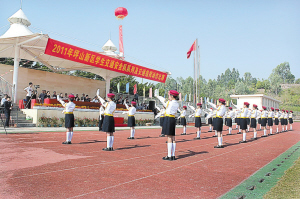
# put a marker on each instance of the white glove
(98, 92)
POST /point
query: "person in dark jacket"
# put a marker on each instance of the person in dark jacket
(7, 109)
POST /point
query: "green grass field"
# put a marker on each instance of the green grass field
(289, 184)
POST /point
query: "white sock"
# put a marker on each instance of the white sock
(131, 133)
(239, 129)
(260, 127)
(255, 134)
(108, 141)
(286, 128)
(184, 129)
(111, 141)
(271, 130)
(216, 133)
(277, 129)
(236, 126)
(210, 128)
(173, 148)
(248, 128)
(68, 136)
(265, 131)
(244, 136)
(220, 141)
(291, 127)
(169, 149)
(71, 135)
(198, 134)
(282, 128)
(230, 129)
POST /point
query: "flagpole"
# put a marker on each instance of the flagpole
(197, 70)
(194, 78)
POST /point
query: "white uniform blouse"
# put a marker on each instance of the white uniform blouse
(172, 107)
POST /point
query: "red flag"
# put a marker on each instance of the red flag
(191, 49)
(121, 49)
(179, 96)
(135, 89)
(150, 92)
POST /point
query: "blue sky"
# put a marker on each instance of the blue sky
(251, 36)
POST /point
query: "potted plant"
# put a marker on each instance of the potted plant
(42, 121)
(55, 121)
(62, 121)
(49, 120)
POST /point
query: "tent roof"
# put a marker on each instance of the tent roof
(32, 47)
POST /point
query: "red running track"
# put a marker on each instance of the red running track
(39, 166)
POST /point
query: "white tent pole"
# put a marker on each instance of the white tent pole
(16, 69)
(107, 85)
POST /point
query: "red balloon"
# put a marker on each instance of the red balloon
(121, 13)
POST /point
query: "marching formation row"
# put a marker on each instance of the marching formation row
(244, 117)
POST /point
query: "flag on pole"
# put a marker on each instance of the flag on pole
(190, 97)
(201, 100)
(205, 100)
(185, 97)
(215, 101)
(211, 100)
(193, 47)
(179, 96)
(127, 88)
(121, 49)
(118, 87)
(144, 92)
(156, 92)
(135, 89)
(150, 92)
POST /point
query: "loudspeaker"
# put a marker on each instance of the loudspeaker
(151, 105)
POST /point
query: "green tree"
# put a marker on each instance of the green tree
(297, 81)
(284, 72)
(275, 82)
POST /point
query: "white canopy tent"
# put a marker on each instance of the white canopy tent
(20, 43)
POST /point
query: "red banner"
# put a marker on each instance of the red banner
(66, 51)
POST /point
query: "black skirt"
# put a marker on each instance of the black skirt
(259, 121)
(270, 121)
(108, 124)
(291, 120)
(210, 120)
(101, 122)
(285, 122)
(131, 121)
(229, 122)
(282, 121)
(69, 120)
(161, 121)
(198, 122)
(183, 121)
(276, 121)
(218, 124)
(248, 121)
(253, 123)
(243, 123)
(263, 121)
(226, 121)
(238, 121)
(214, 123)
(169, 126)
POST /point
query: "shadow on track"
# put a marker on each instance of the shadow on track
(90, 142)
(189, 154)
(132, 147)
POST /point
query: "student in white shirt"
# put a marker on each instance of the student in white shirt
(29, 91)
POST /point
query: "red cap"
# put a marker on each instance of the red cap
(199, 104)
(230, 108)
(291, 111)
(272, 108)
(246, 103)
(71, 96)
(282, 110)
(211, 108)
(184, 107)
(110, 95)
(254, 105)
(222, 100)
(133, 103)
(287, 111)
(277, 109)
(264, 107)
(174, 93)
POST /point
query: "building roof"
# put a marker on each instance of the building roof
(254, 95)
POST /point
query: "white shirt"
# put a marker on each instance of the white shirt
(110, 108)
(2, 101)
(183, 113)
(271, 114)
(285, 115)
(230, 114)
(172, 107)
(101, 110)
(131, 111)
(163, 112)
(254, 113)
(70, 106)
(209, 115)
(277, 114)
(264, 114)
(29, 90)
(198, 112)
(291, 115)
(258, 114)
(244, 113)
(221, 111)
(281, 114)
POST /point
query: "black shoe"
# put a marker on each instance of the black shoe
(215, 136)
(130, 138)
(209, 131)
(253, 138)
(242, 141)
(167, 158)
(106, 149)
(197, 138)
(111, 148)
(173, 158)
(67, 142)
(229, 134)
(183, 134)
(239, 133)
(218, 146)
(264, 136)
(270, 134)
(162, 135)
